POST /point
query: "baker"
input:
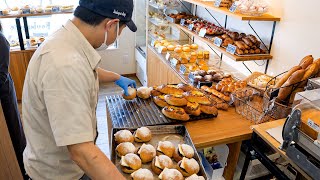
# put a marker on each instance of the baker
(61, 91)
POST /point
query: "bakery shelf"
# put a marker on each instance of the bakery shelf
(156, 6)
(157, 23)
(224, 10)
(31, 15)
(223, 50)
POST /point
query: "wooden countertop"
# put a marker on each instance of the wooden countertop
(227, 127)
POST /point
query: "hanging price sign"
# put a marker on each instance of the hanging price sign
(231, 49)
(233, 8)
(217, 41)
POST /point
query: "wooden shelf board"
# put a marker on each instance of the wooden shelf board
(209, 5)
(19, 51)
(223, 50)
(33, 15)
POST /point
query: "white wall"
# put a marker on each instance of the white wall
(296, 34)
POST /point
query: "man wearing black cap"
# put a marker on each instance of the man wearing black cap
(61, 91)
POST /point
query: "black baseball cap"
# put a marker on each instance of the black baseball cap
(115, 9)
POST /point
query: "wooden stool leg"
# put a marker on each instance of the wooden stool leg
(234, 152)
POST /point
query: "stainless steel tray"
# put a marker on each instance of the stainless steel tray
(177, 134)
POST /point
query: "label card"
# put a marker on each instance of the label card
(152, 43)
(313, 125)
(217, 41)
(203, 32)
(191, 76)
(160, 48)
(190, 27)
(182, 22)
(167, 56)
(231, 49)
(217, 3)
(183, 69)
(174, 62)
(26, 11)
(56, 9)
(233, 7)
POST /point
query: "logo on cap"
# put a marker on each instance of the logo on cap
(119, 13)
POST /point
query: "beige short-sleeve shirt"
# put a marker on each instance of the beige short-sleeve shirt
(59, 103)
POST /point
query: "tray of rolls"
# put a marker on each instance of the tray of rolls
(156, 152)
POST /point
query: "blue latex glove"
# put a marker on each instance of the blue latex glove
(124, 83)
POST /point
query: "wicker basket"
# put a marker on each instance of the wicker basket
(275, 109)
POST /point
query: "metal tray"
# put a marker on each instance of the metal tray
(139, 112)
(177, 134)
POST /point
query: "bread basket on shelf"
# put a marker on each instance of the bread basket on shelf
(258, 83)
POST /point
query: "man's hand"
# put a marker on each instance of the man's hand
(124, 83)
(93, 162)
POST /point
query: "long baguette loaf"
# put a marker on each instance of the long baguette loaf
(216, 93)
(310, 71)
(287, 87)
(286, 76)
(306, 61)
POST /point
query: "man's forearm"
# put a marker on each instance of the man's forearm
(93, 162)
(107, 76)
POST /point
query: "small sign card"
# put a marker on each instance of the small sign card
(231, 49)
(217, 41)
(167, 56)
(183, 69)
(233, 7)
(217, 3)
(26, 11)
(174, 62)
(182, 22)
(202, 32)
(152, 43)
(56, 9)
(160, 48)
(190, 27)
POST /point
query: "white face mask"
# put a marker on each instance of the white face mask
(104, 46)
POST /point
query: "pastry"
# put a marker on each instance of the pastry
(170, 47)
(195, 177)
(142, 134)
(197, 96)
(175, 100)
(125, 148)
(165, 148)
(159, 100)
(186, 49)
(194, 46)
(155, 92)
(123, 136)
(176, 113)
(183, 150)
(209, 109)
(193, 109)
(286, 76)
(193, 57)
(287, 87)
(216, 93)
(306, 61)
(178, 50)
(208, 78)
(132, 94)
(187, 167)
(200, 55)
(169, 89)
(185, 87)
(161, 162)
(142, 174)
(206, 55)
(144, 92)
(130, 163)
(170, 174)
(146, 152)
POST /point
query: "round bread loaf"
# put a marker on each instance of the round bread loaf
(159, 163)
(130, 163)
(146, 152)
(142, 174)
(142, 134)
(123, 136)
(165, 148)
(183, 150)
(187, 167)
(125, 148)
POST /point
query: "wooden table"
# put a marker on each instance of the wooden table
(228, 128)
(261, 131)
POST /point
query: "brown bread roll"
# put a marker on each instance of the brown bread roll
(306, 61)
(286, 88)
(286, 76)
(311, 70)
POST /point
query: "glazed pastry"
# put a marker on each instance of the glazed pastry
(185, 87)
(170, 89)
(175, 100)
(176, 113)
(209, 109)
(193, 108)
(197, 96)
(159, 100)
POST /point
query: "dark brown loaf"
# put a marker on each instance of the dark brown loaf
(286, 76)
(286, 88)
(306, 61)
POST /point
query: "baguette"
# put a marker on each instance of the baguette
(306, 61)
(286, 76)
(287, 87)
(216, 93)
(310, 71)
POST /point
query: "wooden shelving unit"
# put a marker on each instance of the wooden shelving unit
(223, 50)
(223, 10)
(33, 15)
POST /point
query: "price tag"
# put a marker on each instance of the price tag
(217, 41)
(56, 9)
(160, 48)
(183, 69)
(203, 32)
(191, 76)
(190, 27)
(167, 56)
(233, 7)
(217, 3)
(182, 21)
(231, 49)
(26, 11)
(174, 62)
(152, 43)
